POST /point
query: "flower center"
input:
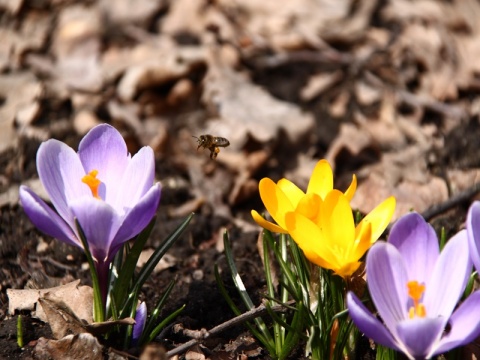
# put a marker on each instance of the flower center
(93, 183)
(415, 291)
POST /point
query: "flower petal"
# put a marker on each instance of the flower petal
(451, 272)
(275, 200)
(136, 181)
(379, 218)
(464, 325)
(321, 181)
(291, 190)
(140, 320)
(104, 149)
(138, 218)
(473, 228)
(417, 242)
(363, 242)
(99, 223)
(61, 172)
(369, 324)
(351, 189)
(45, 219)
(337, 223)
(419, 336)
(387, 282)
(310, 239)
(267, 224)
(309, 206)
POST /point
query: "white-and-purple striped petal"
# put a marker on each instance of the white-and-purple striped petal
(473, 229)
(369, 324)
(129, 199)
(413, 246)
(45, 219)
(387, 279)
(61, 172)
(464, 325)
(449, 277)
(420, 256)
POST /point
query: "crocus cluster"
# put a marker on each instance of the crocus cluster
(111, 194)
(321, 220)
(416, 289)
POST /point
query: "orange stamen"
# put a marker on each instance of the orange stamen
(93, 183)
(415, 291)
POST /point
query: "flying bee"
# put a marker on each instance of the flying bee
(212, 143)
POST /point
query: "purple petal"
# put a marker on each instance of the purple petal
(369, 324)
(417, 242)
(45, 219)
(104, 149)
(99, 222)
(139, 217)
(473, 229)
(387, 282)
(419, 335)
(140, 319)
(61, 172)
(137, 179)
(465, 325)
(449, 277)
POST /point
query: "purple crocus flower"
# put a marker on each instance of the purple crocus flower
(415, 289)
(140, 320)
(110, 193)
(473, 231)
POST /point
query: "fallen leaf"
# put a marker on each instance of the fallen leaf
(71, 347)
(168, 67)
(79, 299)
(19, 91)
(247, 110)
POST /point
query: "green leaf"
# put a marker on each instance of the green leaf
(127, 269)
(152, 262)
(160, 251)
(156, 312)
(164, 323)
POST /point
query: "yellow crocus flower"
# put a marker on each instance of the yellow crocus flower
(284, 197)
(331, 239)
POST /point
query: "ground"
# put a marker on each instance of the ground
(386, 90)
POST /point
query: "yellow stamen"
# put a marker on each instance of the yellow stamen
(415, 291)
(93, 183)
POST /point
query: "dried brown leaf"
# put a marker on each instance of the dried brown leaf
(19, 91)
(78, 298)
(153, 352)
(167, 260)
(246, 110)
(159, 70)
(77, 48)
(71, 347)
(60, 317)
(127, 11)
(404, 175)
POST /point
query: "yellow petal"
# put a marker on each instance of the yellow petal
(351, 189)
(267, 224)
(348, 269)
(321, 181)
(363, 240)
(275, 201)
(309, 206)
(291, 190)
(310, 239)
(379, 218)
(337, 223)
